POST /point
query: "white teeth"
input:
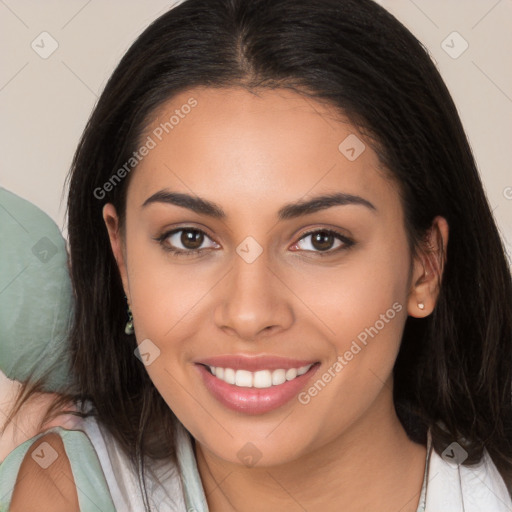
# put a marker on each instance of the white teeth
(262, 379)
(303, 369)
(229, 375)
(291, 373)
(259, 379)
(278, 377)
(243, 379)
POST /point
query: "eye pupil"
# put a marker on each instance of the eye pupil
(322, 240)
(191, 239)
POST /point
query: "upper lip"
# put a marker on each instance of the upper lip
(254, 363)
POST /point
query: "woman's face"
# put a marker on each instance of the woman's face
(276, 287)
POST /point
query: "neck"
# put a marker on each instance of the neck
(371, 466)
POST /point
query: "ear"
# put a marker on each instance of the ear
(427, 272)
(117, 243)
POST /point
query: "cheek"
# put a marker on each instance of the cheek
(172, 305)
(362, 307)
(165, 291)
(367, 289)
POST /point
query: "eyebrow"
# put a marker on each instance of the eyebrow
(288, 211)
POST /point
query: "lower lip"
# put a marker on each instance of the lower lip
(254, 400)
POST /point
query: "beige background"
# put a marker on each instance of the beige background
(45, 103)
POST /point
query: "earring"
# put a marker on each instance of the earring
(129, 325)
(421, 305)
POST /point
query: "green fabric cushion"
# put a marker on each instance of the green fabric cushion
(35, 294)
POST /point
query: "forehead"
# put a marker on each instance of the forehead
(272, 147)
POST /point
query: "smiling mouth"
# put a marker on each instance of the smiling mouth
(256, 392)
(260, 379)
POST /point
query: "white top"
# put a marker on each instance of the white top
(164, 486)
(106, 481)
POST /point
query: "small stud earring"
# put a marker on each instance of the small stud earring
(129, 325)
(421, 305)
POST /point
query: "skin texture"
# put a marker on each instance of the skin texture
(251, 154)
(45, 489)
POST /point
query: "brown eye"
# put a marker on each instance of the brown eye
(191, 239)
(324, 241)
(185, 241)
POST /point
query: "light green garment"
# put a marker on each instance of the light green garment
(35, 294)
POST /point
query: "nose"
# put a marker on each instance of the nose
(255, 302)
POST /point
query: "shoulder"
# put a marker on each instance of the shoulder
(45, 480)
(477, 487)
(58, 465)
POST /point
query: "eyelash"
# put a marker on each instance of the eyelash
(347, 242)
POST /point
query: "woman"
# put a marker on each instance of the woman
(286, 299)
